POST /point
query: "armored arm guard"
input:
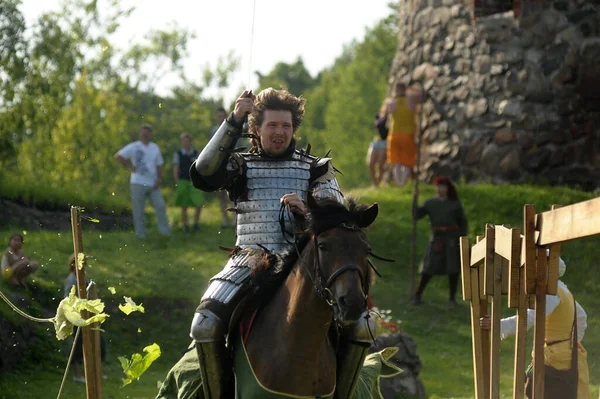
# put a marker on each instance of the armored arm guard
(324, 184)
(219, 147)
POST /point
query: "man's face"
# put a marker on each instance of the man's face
(276, 131)
(145, 135)
(186, 141)
(220, 116)
(442, 190)
(400, 90)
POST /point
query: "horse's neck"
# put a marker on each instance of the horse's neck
(307, 315)
(290, 338)
(300, 314)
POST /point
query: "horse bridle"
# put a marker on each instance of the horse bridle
(320, 283)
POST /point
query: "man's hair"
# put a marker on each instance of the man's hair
(220, 109)
(276, 100)
(185, 134)
(146, 126)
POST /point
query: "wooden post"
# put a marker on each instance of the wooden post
(476, 337)
(465, 264)
(89, 362)
(517, 299)
(496, 294)
(553, 261)
(540, 325)
(483, 307)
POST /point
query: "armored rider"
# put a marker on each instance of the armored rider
(272, 174)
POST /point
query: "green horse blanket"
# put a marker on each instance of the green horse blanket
(183, 381)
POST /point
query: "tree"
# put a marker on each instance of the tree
(340, 108)
(295, 77)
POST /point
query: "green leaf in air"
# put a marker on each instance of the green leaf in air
(130, 306)
(138, 364)
(69, 310)
(112, 290)
(80, 259)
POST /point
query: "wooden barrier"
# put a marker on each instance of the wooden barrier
(504, 262)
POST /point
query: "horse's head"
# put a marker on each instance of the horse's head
(341, 269)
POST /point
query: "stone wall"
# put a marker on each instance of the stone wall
(508, 100)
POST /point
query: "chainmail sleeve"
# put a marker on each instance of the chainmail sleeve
(324, 183)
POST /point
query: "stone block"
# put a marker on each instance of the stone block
(505, 136)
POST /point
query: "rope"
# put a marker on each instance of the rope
(20, 312)
(251, 43)
(62, 384)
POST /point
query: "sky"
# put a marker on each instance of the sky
(282, 30)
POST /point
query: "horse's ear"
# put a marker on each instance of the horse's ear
(368, 216)
(311, 202)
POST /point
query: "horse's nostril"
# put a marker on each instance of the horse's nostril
(342, 301)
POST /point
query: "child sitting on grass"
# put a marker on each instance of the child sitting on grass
(15, 265)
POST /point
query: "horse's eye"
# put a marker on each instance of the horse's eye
(322, 247)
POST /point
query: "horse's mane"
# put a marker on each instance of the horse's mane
(325, 214)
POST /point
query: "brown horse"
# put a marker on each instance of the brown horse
(322, 284)
(304, 298)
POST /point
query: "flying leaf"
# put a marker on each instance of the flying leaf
(93, 220)
(69, 310)
(130, 306)
(138, 364)
(139, 330)
(80, 259)
(112, 290)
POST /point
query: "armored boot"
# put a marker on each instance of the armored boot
(352, 351)
(216, 368)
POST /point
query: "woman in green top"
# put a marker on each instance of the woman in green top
(448, 223)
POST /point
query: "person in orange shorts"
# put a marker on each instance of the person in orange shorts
(401, 146)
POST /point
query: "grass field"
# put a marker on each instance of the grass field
(169, 276)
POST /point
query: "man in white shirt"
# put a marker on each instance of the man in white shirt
(145, 161)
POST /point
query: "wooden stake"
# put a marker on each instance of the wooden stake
(489, 259)
(520, 340)
(529, 244)
(540, 325)
(478, 360)
(89, 362)
(465, 268)
(496, 272)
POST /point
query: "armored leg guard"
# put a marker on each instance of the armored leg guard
(352, 351)
(216, 366)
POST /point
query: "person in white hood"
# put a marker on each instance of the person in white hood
(560, 313)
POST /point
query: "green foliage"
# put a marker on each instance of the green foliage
(340, 108)
(130, 306)
(69, 100)
(295, 77)
(138, 364)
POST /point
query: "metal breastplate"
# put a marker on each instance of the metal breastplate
(267, 181)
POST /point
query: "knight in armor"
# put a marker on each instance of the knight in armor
(272, 175)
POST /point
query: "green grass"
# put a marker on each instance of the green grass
(170, 276)
(43, 195)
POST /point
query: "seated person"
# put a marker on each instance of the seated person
(15, 265)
